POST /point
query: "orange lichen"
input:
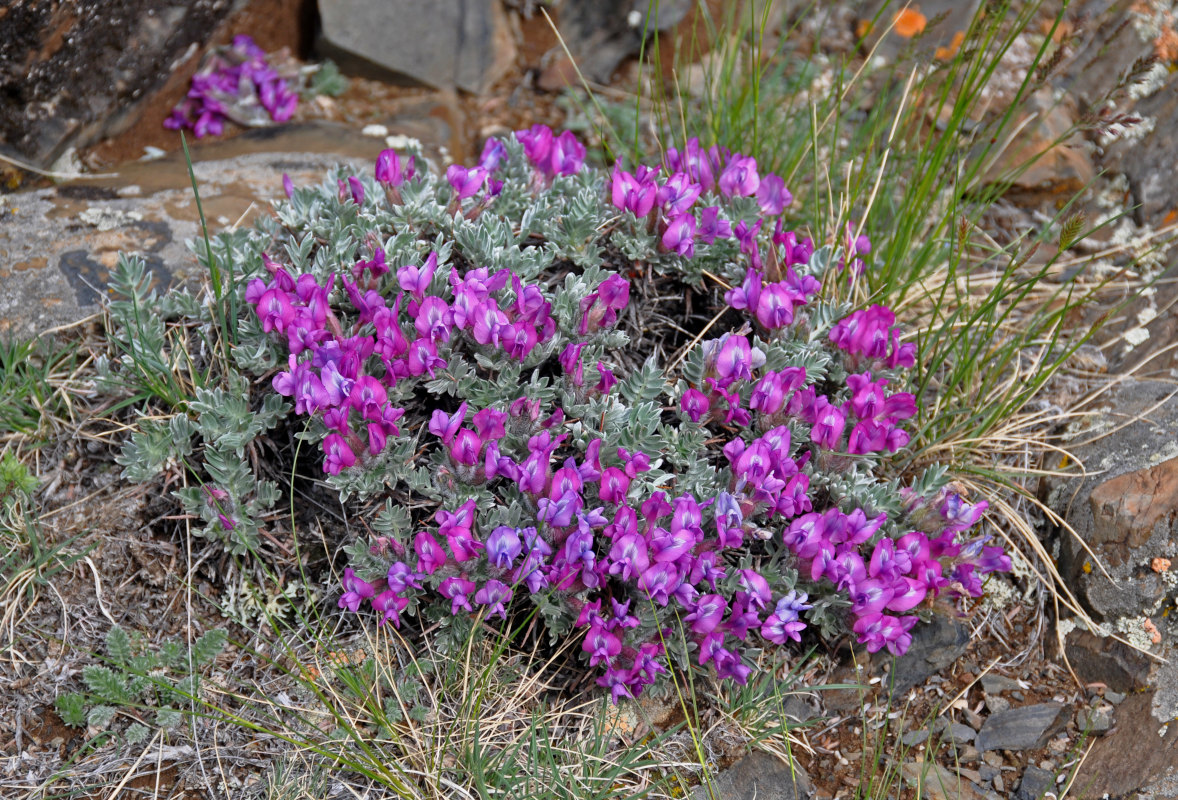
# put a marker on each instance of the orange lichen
(1165, 47)
(908, 22)
(1160, 564)
(947, 53)
(1155, 635)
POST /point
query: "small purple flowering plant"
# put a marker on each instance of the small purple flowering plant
(467, 348)
(239, 83)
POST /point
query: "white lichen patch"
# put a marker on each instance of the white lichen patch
(376, 131)
(1132, 629)
(1135, 336)
(107, 219)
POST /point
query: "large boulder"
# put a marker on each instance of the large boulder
(1126, 510)
(58, 245)
(72, 74)
(446, 44)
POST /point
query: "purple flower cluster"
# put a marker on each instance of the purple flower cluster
(236, 72)
(624, 558)
(694, 172)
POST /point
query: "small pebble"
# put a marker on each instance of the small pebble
(992, 758)
(913, 738)
(996, 704)
(987, 773)
(1116, 698)
(1047, 765)
(974, 719)
(968, 754)
(999, 785)
(960, 734)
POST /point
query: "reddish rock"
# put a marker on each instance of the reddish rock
(1042, 155)
(1127, 509)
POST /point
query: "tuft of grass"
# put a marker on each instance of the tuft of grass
(31, 373)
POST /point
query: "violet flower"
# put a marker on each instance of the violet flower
(503, 546)
(494, 595)
(457, 590)
(355, 591)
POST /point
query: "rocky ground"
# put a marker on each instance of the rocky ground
(1011, 699)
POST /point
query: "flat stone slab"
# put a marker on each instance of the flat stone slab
(1024, 728)
(759, 776)
(58, 245)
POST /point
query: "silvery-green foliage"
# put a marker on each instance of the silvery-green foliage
(150, 684)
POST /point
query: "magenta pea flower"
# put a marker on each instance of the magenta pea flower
(356, 590)
(288, 186)
(695, 404)
(565, 157)
(431, 555)
(601, 645)
(457, 590)
(775, 306)
(466, 447)
(708, 613)
(829, 423)
(401, 577)
(389, 605)
(537, 142)
(466, 182)
(444, 426)
(678, 194)
(416, 280)
(433, 319)
(739, 178)
(712, 226)
(734, 359)
(339, 454)
(423, 357)
(632, 193)
(772, 195)
(494, 153)
(680, 235)
(389, 171)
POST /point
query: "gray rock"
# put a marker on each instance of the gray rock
(1116, 698)
(968, 755)
(447, 44)
(1094, 720)
(72, 74)
(935, 782)
(601, 34)
(1138, 758)
(760, 776)
(935, 645)
(987, 773)
(996, 684)
(1127, 509)
(1153, 196)
(58, 245)
(1034, 784)
(995, 704)
(1024, 728)
(1107, 661)
(913, 738)
(959, 734)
